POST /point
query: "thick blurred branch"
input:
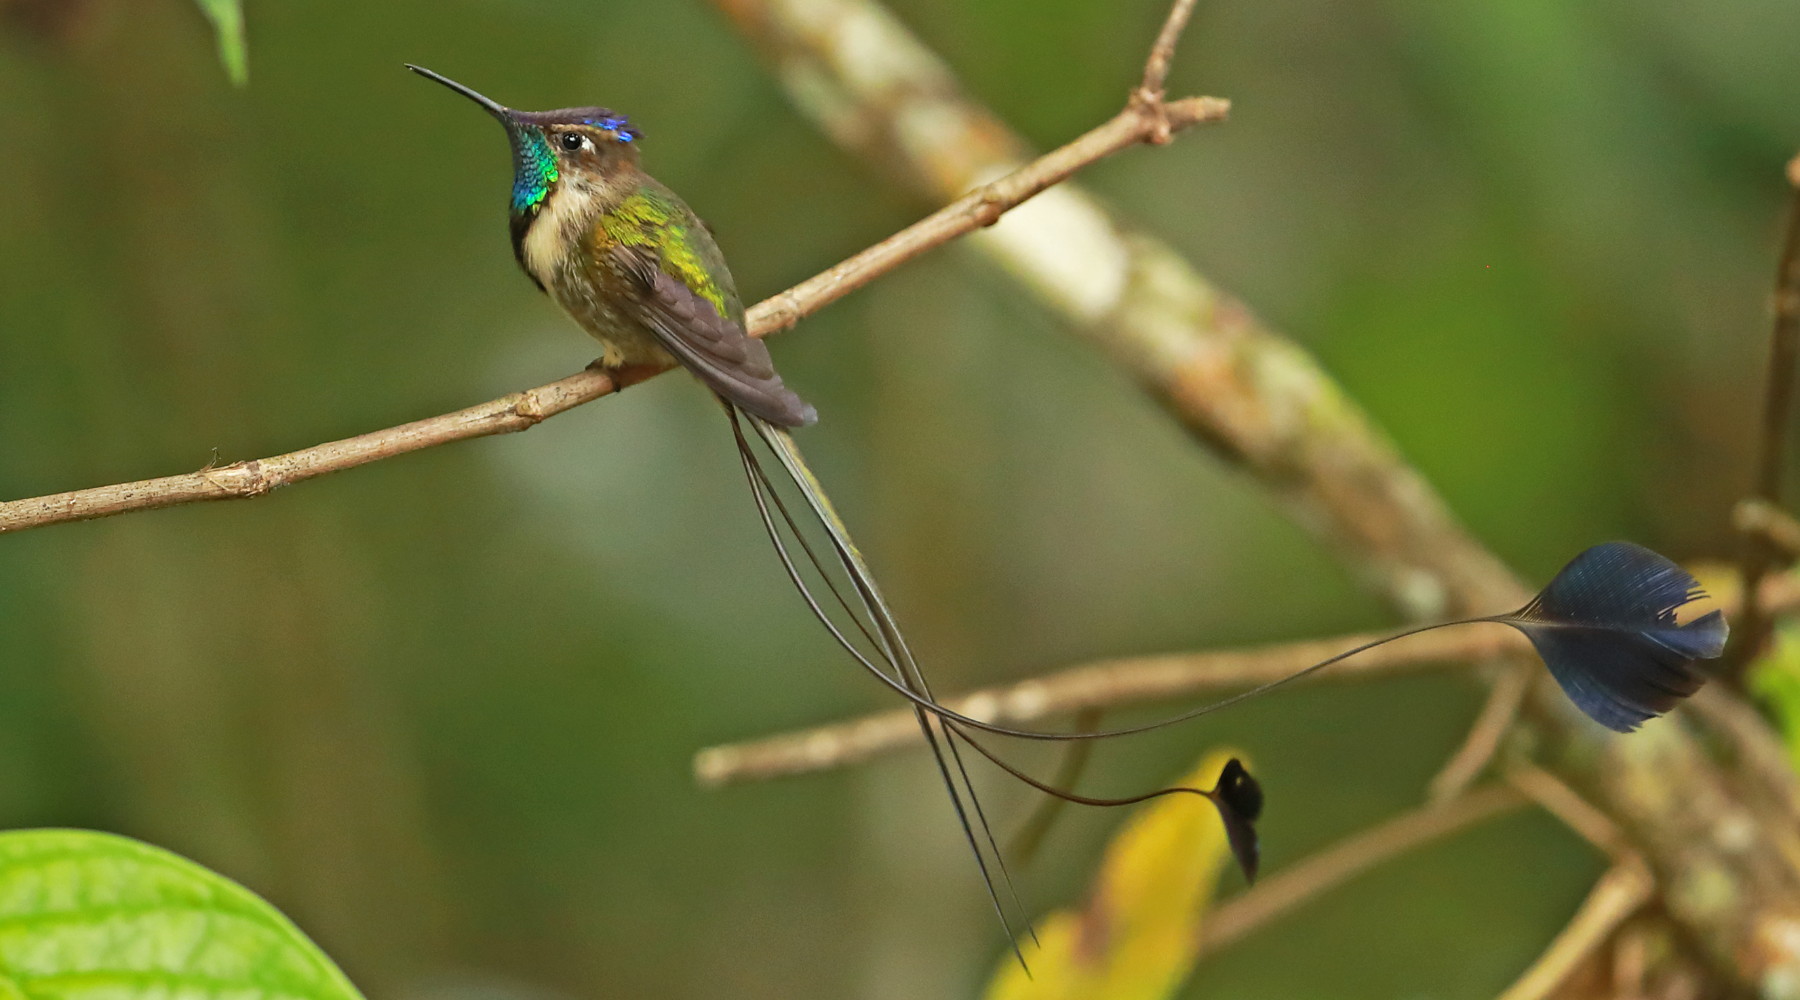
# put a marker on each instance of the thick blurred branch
(1761, 550)
(1265, 404)
(1141, 121)
(1759, 752)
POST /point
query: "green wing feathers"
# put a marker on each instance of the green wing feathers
(654, 218)
(682, 293)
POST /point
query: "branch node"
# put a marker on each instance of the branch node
(529, 408)
(239, 479)
(1151, 103)
(992, 207)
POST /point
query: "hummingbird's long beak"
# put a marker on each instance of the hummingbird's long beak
(494, 108)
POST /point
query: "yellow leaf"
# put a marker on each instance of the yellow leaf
(1136, 938)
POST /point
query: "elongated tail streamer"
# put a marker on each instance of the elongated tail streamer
(890, 645)
(1606, 627)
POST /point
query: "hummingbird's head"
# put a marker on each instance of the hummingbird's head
(564, 161)
(552, 147)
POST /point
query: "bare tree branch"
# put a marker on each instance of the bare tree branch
(1497, 716)
(1778, 396)
(1162, 54)
(1622, 891)
(242, 480)
(1576, 813)
(981, 207)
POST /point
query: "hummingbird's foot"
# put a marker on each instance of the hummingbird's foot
(625, 376)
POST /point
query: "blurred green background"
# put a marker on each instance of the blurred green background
(440, 709)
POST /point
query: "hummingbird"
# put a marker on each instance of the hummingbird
(632, 264)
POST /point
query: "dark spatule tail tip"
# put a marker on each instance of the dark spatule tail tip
(1239, 799)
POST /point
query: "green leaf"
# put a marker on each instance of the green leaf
(92, 916)
(227, 17)
(1775, 678)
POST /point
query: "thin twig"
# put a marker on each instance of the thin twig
(1762, 519)
(1162, 54)
(1625, 887)
(1784, 351)
(1577, 813)
(1337, 864)
(1497, 716)
(1149, 94)
(980, 207)
(1622, 891)
(242, 480)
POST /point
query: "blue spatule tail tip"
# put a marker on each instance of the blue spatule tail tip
(1606, 627)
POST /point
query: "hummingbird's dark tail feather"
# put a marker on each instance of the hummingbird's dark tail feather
(1236, 795)
(886, 639)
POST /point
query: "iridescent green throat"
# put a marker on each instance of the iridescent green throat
(534, 171)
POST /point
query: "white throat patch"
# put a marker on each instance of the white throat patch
(569, 209)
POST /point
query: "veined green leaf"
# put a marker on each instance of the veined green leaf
(92, 916)
(227, 17)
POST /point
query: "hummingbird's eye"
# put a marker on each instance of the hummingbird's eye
(572, 141)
